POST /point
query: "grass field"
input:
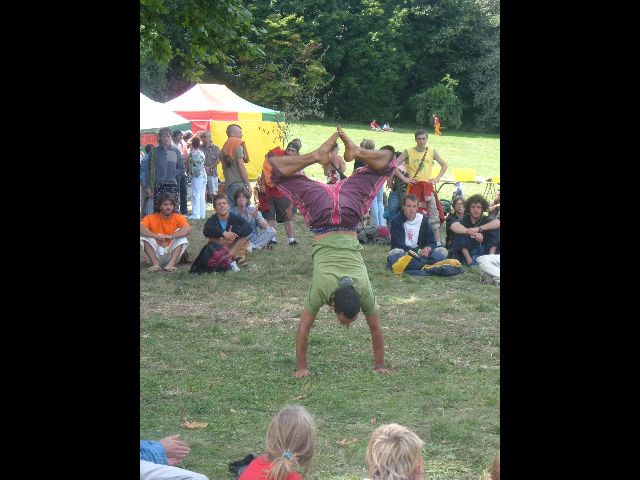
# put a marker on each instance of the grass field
(220, 349)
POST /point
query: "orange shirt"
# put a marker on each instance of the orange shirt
(158, 224)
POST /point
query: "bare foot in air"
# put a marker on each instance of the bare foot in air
(350, 148)
(325, 150)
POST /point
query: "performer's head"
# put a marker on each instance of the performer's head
(346, 302)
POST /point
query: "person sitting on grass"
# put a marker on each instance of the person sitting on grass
(457, 214)
(290, 445)
(228, 235)
(475, 234)
(333, 212)
(410, 230)
(163, 235)
(395, 453)
(258, 238)
(158, 460)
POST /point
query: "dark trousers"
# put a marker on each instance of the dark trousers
(181, 180)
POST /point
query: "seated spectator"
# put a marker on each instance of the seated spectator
(334, 171)
(228, 235)
(258, 238)
(395, 453)
(495, 469)
(374, 126)
(163, 235)
(158, 460)
(489, 266)
(494, 206)
(410, 230)
(475, 234)
(289, 446)
(386, 127)
(457, 214)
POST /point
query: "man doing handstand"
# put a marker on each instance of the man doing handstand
(340, 277)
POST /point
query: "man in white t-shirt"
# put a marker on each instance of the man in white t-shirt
(410, 230)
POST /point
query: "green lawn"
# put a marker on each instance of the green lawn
(219, 349)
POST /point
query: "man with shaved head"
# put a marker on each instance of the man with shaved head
(234, 155)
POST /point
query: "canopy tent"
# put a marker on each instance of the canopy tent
(213, 107)
(155, 115)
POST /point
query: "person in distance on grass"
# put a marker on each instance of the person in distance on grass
(333, 212)
(163, 235)
(475, 234)
(158, 460)
(290, 445)
(395, 453)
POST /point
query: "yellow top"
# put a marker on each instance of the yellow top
(413, 160)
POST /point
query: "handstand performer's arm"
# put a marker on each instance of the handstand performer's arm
(302, 342)
(378, 342)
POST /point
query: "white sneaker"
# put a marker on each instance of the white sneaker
(249, 248)
(235, 267)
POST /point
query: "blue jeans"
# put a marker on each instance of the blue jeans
(377, 209)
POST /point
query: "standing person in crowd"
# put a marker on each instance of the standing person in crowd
(198, 180)
(395, 453)
(164, 163)
(181, 177)
(397, 183)
(158, 460)
(258, 238)
(419, 162)
(377, 206)
(436, 124)
(333, 212)
(146, 197)
(475, 234)
(280, 207)
(334, 171)
(234, 156)
(456, 215)
(289, 445)
(211, 161)
(163, 235)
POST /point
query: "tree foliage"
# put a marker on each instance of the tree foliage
(186, 36)
(440, 99)
(351, 59)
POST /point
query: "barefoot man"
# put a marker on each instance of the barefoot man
(340, 277)
(163, 235)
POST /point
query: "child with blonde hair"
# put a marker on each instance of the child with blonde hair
(395, 453)
(289, 446)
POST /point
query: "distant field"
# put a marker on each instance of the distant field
(458, 149)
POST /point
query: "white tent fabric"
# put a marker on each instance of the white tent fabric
(157, 115)
(213, 96)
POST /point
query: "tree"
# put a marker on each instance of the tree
(185, 36)
(440, 99)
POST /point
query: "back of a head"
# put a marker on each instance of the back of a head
(368, 144)
(290, 442)
(346, 300)
(393, 453)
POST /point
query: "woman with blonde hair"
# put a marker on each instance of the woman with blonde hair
(289, 445)
(395, 453)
